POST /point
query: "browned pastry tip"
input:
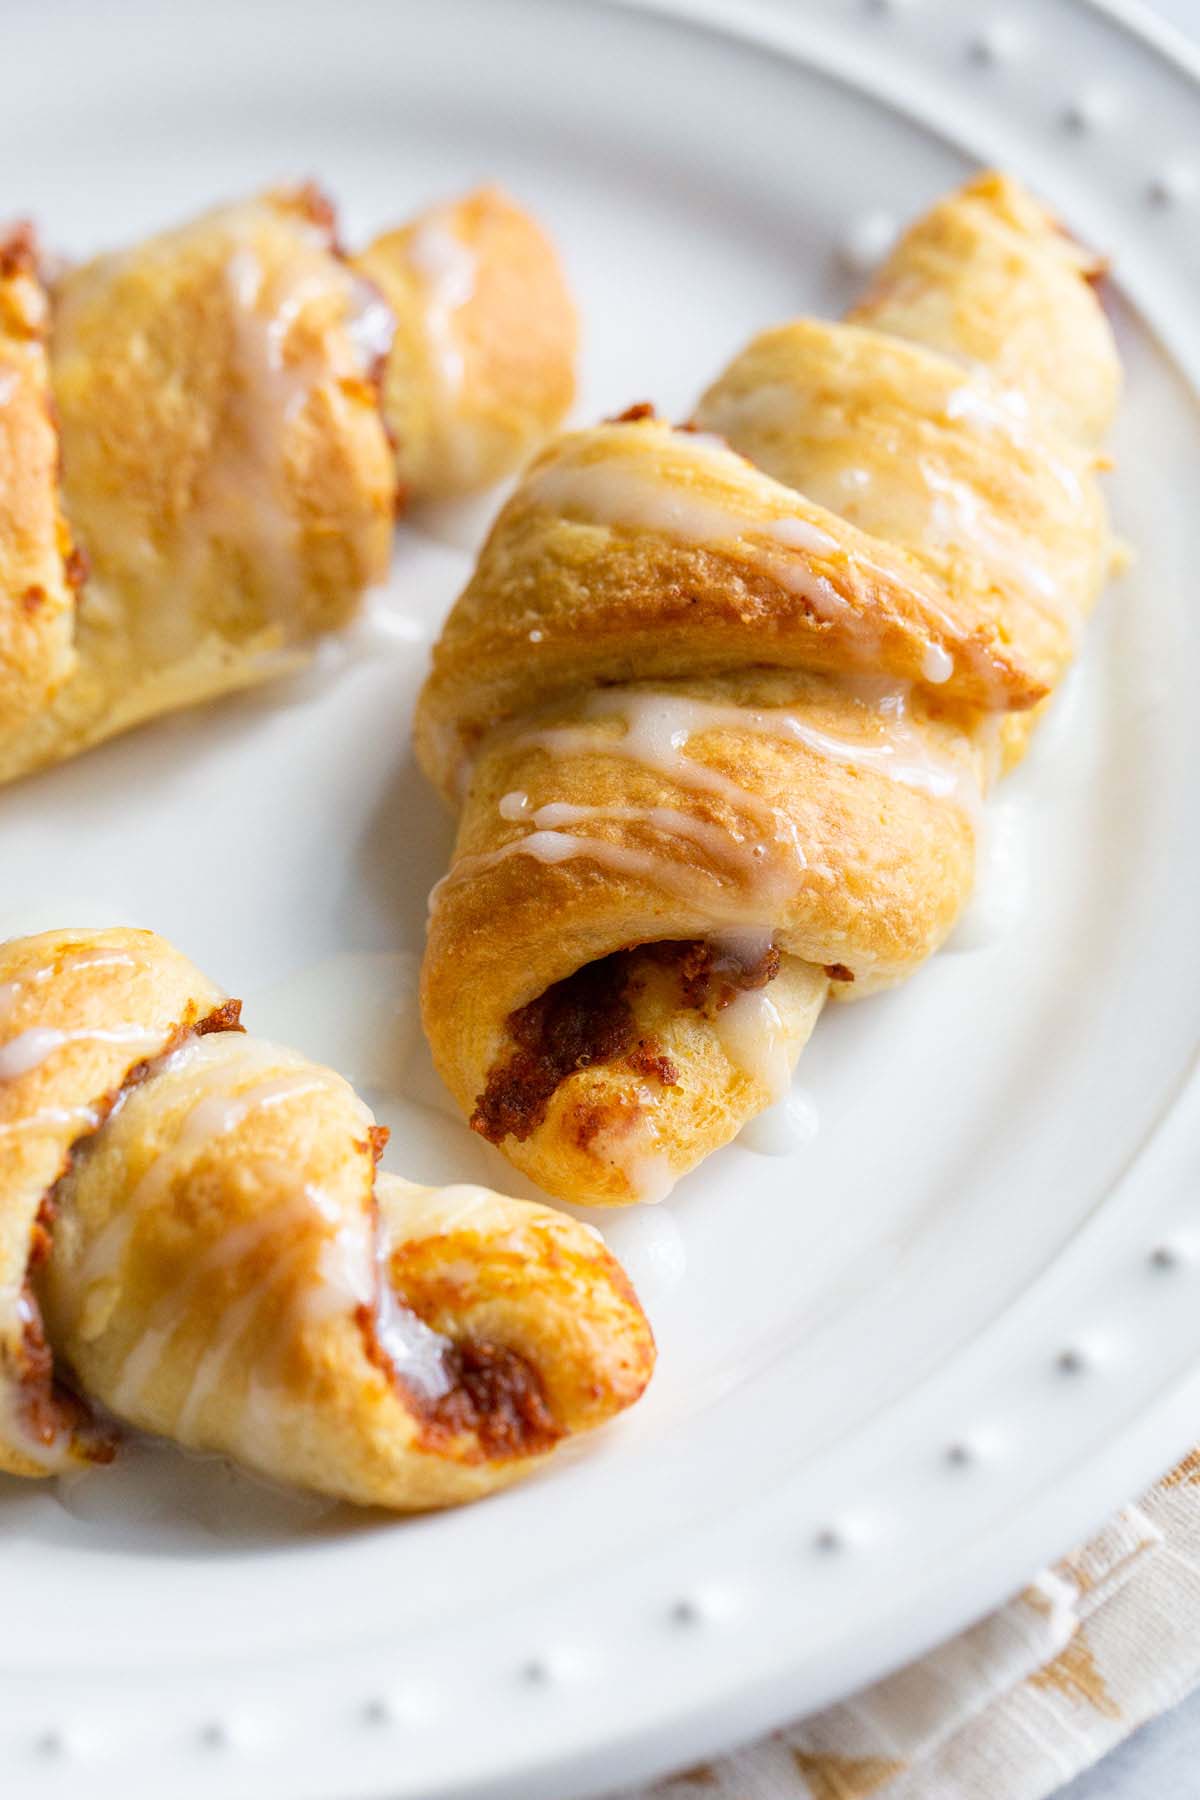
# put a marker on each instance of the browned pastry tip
(740, 687)
(483, 363)
(196, 1241)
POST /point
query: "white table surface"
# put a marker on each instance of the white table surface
(1164, 1757)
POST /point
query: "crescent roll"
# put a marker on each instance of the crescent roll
(720, 703)
(482, 366)
(204, 440)
(195, 1241)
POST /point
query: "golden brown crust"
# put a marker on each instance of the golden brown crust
(562, 597)
(754, 693)
(65, 987)
(226, 465)
(989, 276)
(36, 592)
(221, 1262)
(1001, 510)
(483, 362)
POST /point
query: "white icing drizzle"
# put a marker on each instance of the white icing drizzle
(746, 945)
(657, 729)
(650, 1246)
(8, 385)
(751, 1032)
(227, 1334)
(282, 1224)
(211, 1114)
(448, 269)
(659, 726)
(650, 1176)
(784, 1128)
(937, 665)
(920, 502)
(160, 1486)
(613, 493)
(75, 959)
(349, 1270)
(416, 1351)
(987, 407)
(621, 494)
(370, 324)
(561, 846)
(515, 805)
(246, 492)
(715, 840)
(244, 496)
(29, 1049)
(50, 1117)
(956, 515)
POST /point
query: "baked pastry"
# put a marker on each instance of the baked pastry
(195, 1241)
(227, 415)
(482, 365)
(719, 704)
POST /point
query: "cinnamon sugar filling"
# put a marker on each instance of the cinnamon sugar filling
(493, 1394)
(496, 1396)
(48, 1407)
(588, 1019)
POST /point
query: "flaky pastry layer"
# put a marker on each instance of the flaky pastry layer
(720, 704)
(195, 1241)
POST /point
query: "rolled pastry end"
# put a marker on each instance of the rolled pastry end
(545, 1335)
(482, 365)
(39, 568)
(615, 1082)
(199, 1243)
(989, 276)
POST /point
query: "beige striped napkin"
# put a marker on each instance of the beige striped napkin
(1023, 1701)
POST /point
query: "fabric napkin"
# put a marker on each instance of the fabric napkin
(1021, 1702)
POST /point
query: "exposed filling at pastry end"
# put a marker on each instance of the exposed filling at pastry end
(477, 1400)
(493, 1396)
(590, 1018)
(46, 1412)
(472, 1400)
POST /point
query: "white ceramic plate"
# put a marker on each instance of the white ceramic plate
(900, 1366)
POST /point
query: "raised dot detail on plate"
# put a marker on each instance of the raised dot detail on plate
(995, 43)
(1087, 112)
(379, 1710)
(214, 1735)
(867, 241)
(1170, 186)
(51, 1744)
(1166, 1257)
(829, 1540)
(961, 1454)
(1072, 1361)
(704, 1608)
